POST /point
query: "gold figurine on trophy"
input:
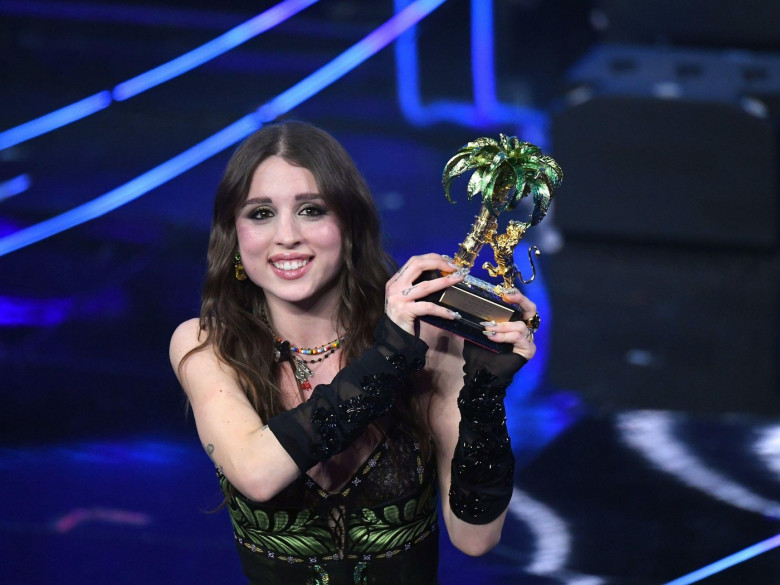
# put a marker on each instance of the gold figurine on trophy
(504, 172)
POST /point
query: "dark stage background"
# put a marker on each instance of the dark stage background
(646, 430)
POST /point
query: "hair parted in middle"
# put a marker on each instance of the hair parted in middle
(231, 310)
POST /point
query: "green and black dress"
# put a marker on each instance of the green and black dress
(380, 528)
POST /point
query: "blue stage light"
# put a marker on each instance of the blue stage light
(482, 56)
(21, 312)
(131, 190)
(132, 87)
(56, 119)
(486, 109)
(14, 186)
(237, 131)
(220, 45)
(729, 561)
(348, 60)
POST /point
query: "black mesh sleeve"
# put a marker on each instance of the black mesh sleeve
(483, 463)
(337, 413)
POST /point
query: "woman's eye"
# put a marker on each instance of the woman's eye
(313, 211)
(261, 213)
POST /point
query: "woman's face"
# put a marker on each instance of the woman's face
(290, 242)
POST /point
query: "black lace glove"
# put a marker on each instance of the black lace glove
(483, 464)
(337, 413)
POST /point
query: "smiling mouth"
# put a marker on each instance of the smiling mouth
(290, 264)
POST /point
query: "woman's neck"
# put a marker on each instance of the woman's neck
(304, 326)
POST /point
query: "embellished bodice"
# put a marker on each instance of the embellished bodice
(381, 527)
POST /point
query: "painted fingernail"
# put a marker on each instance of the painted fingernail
(489, 333)
(455, 314)
(487, 323)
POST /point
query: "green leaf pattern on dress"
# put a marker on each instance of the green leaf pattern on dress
(391, 530)
(303, 534)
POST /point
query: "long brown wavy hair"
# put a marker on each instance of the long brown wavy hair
(231, 310)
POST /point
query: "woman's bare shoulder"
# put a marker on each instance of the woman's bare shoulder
(195, 360)
(186, 337)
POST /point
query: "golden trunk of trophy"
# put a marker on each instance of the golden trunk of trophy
(482, 231)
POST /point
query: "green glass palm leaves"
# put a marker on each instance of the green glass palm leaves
(505, 171)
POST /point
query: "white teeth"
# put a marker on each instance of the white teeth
(291, 265)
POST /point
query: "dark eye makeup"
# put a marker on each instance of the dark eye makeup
(308, 209)
(312, 210)
(260, 213)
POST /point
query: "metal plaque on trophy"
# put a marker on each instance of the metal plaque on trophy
(504, 172)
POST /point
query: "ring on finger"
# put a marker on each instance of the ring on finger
(533, 323)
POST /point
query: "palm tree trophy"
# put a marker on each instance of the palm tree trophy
(504, 173)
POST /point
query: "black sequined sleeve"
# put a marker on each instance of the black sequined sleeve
(337, 413)
(483, 464)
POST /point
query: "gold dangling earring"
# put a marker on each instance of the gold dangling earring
(240, 272)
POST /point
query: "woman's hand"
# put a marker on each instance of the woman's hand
(519, 333)
(402, 293)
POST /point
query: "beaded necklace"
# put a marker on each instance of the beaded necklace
(328, 347)
(301, 370)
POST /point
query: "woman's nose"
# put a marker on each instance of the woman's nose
(287, 230)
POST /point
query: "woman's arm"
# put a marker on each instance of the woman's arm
(259, 459)
(466, 414)
(229, 428)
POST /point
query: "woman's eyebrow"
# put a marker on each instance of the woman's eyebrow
(268, 200)
(256, 201)
(307, 196)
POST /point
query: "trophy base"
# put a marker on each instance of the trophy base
(476, 301)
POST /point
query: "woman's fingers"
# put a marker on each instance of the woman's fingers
(416, 265)
(405, 289)
(423, 288)
(529, 317)
(527, 306)
(516, 333)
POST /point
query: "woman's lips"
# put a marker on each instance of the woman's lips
(290, 268)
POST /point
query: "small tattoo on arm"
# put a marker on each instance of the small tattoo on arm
(210, 449)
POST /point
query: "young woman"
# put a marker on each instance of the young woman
(332, 413)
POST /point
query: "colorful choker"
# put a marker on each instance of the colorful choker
(301, 369)
(328, 347)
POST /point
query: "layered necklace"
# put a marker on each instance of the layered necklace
(285, 351)
(301, 369)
